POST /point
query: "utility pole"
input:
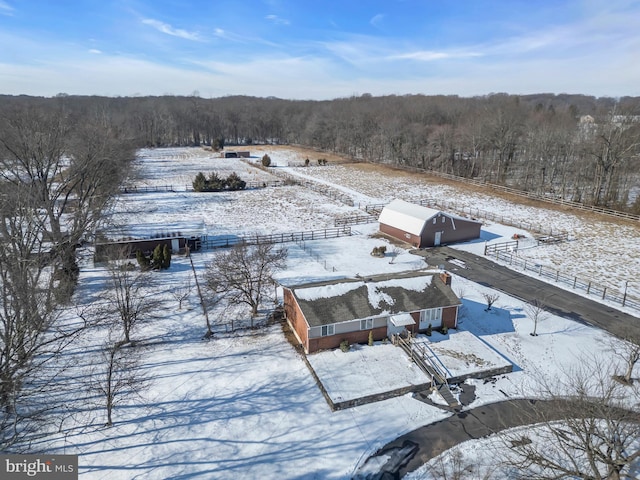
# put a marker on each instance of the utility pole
(209, 333)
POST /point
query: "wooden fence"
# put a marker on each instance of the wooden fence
(521, 193)
(623, 298)
(539, 230)
(229, 241)
(354, 220)
(473, 212)
(189, 188)
(318, 187)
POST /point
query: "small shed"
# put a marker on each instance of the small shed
(236, 154)
(425, 227)
(113, 249)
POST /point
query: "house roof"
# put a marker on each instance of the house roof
(344, 300)
(406, 216)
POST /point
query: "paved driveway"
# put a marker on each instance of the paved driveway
(414, 449)
(558, 301)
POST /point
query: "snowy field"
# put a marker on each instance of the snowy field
(243, 405)
(613, 247)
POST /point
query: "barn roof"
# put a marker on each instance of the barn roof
(343, 300)
(406, 216)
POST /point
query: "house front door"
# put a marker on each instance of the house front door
(436, 240)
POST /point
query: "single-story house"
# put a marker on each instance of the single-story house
(323, 314)
(425, 227)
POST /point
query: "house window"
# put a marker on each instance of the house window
(327, 330)
(432, 315)
(444, 219)
(366, 324)
(434, 220)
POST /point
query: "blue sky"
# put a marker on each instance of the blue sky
(320, 49)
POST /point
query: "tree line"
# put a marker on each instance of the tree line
(574, 147)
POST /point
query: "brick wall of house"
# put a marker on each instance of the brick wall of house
(333, 341)
(450, 317)
(295, 318)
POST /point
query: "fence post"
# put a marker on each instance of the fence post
(575, 279)
(604, 292)
(588, 288)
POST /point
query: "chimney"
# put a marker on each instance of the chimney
(446, 278)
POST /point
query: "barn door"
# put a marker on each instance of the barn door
(436, 240)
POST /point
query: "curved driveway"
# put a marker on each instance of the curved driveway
(415, 448)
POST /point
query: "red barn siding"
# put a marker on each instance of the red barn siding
(400, 235)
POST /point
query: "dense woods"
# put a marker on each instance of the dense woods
(577, 147)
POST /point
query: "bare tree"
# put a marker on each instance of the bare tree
(453, 465)
(245, 273)
(32, 333)
(118, 376)
(394, 252)
(73, 167)
(587, 428)
(490, 298)
(181, 293)
(629, 352)
(535, 311)
(128, 298)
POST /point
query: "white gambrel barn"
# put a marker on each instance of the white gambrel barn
(425, 227)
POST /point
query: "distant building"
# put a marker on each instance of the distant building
(425, 227)
(118, 248)
(235, 154)
(323, 314)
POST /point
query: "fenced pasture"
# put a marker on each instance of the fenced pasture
(571, 243)
(507, 253)
(588, 251)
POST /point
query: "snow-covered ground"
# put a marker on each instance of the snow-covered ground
(243, 405)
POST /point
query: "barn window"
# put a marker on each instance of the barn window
(366, 324)
(327, 330)
(434, 220)
(444, 219)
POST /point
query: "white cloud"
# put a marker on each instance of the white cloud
(5, 8)
(169, 30)
(428, 56)
(376, 20)
(95, 51)
(277, 20)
